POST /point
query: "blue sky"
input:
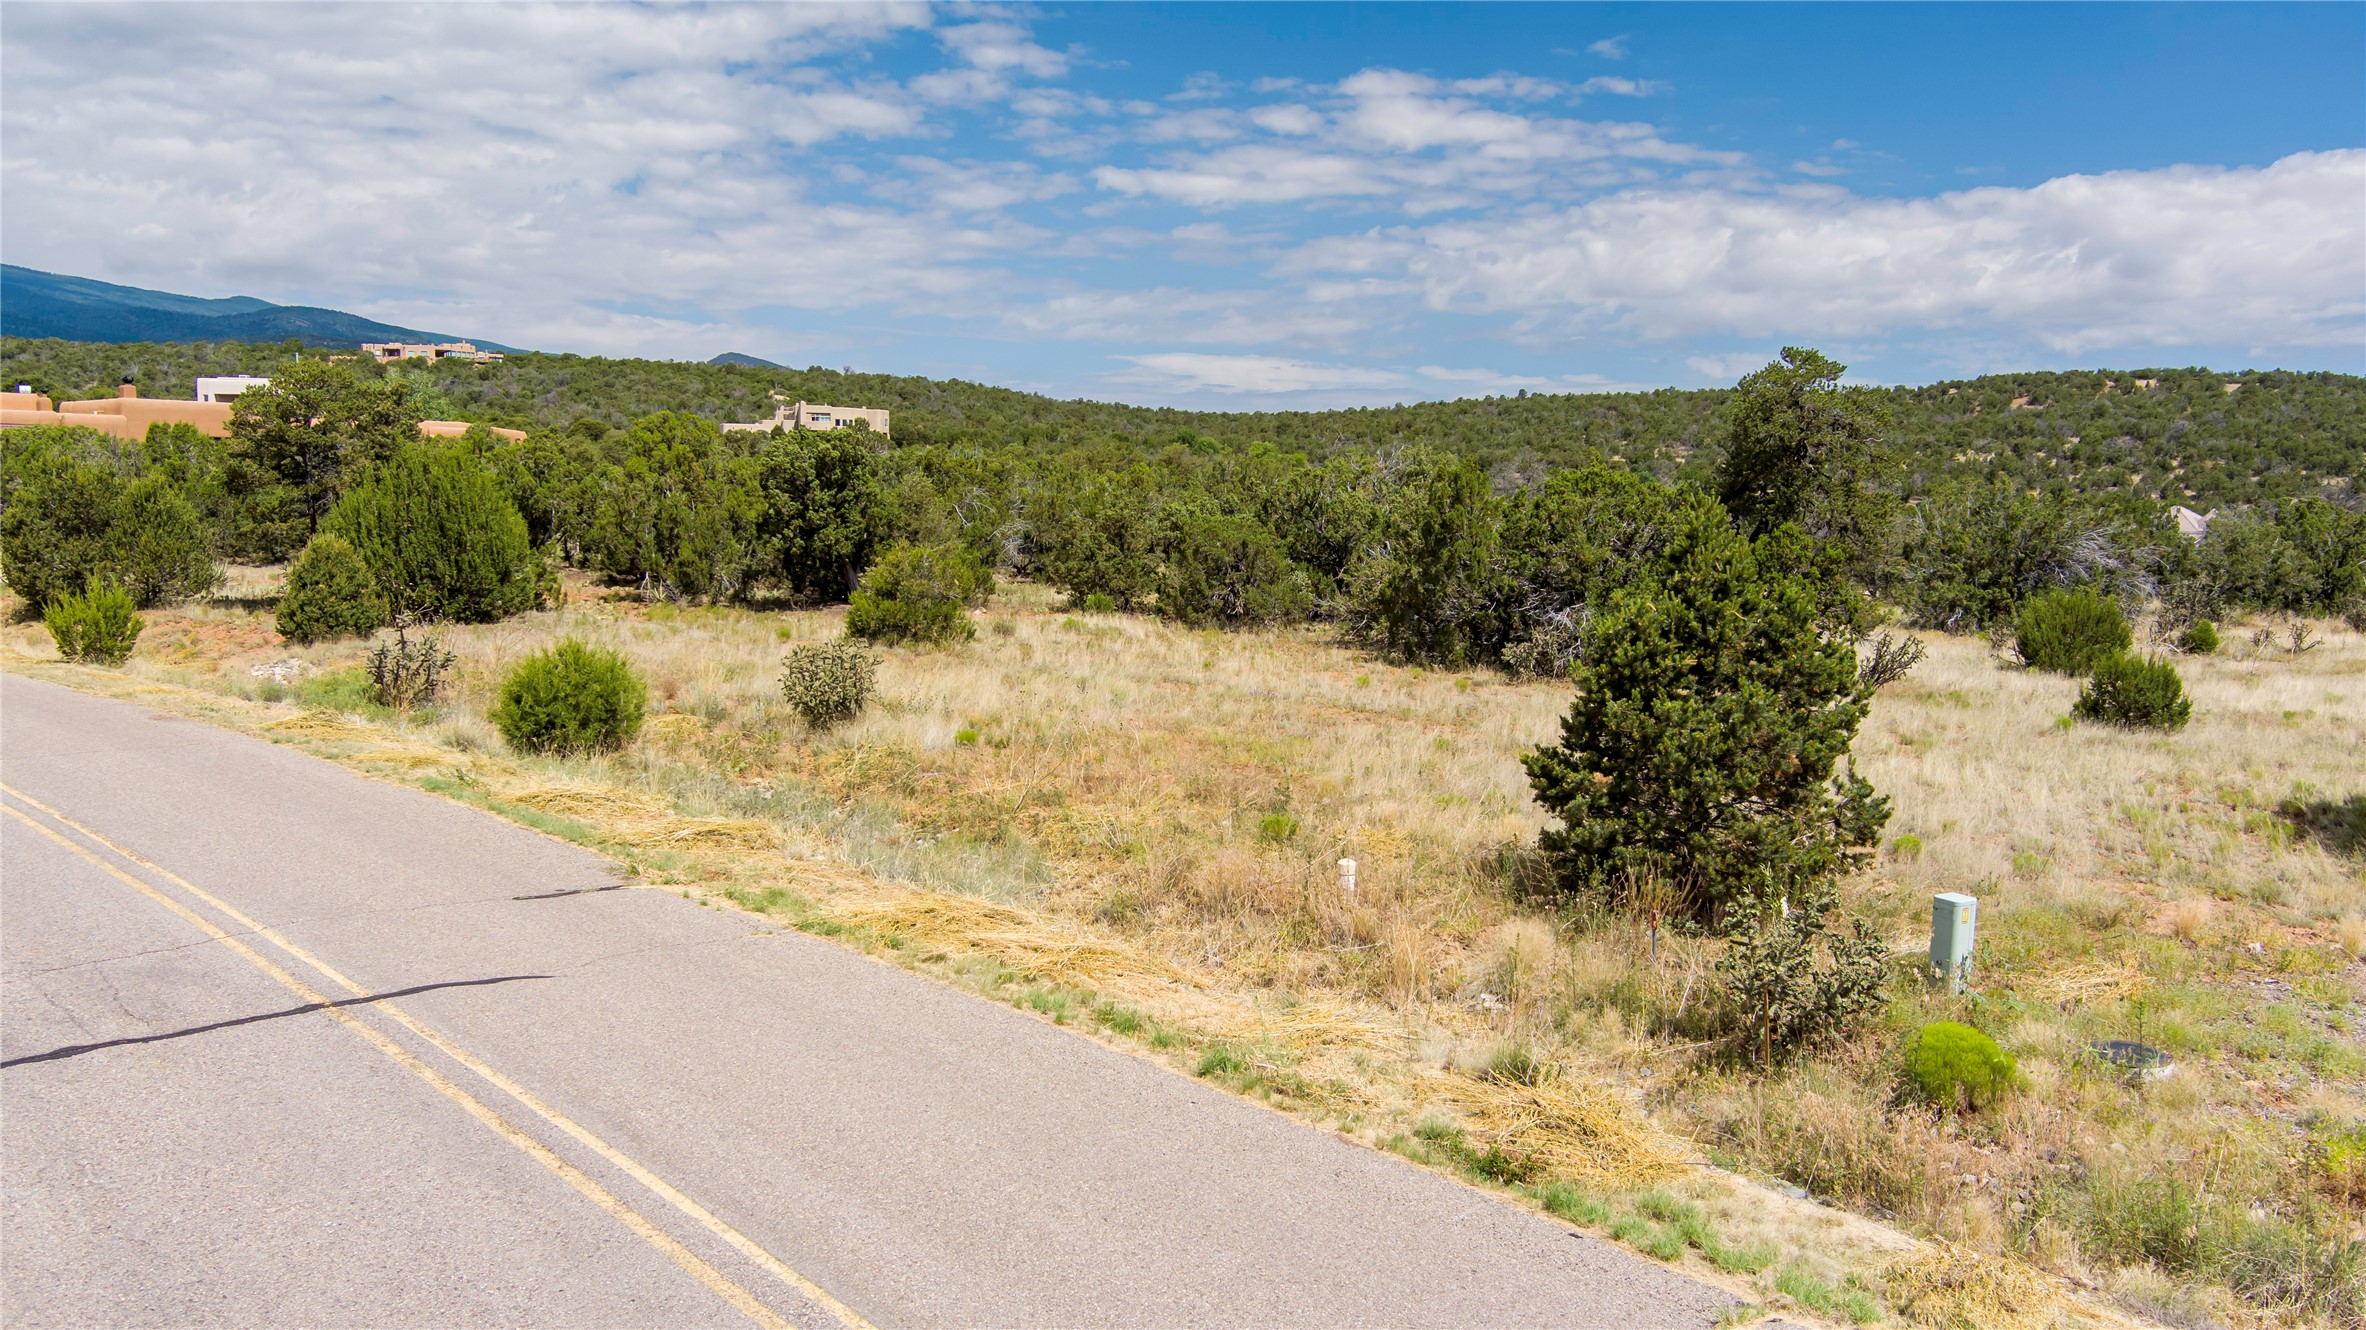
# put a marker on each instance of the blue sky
(1237, 205)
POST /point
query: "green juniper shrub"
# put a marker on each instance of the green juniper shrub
(571, 699)
(1218, 568)
(916, 593)
(1713, 706)
(440, 535)
(68, 520)
(1097, 603)
(1956, 1067)
(1801, 449)
(828, 682)
(96, 627)
(330, 594)
(2128, 691)
(2199, 639)
(2066, 632)
(677, 514)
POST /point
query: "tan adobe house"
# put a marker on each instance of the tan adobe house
(382, 352)
(127, 415)
(814, 415)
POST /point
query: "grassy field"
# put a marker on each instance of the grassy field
(1134, 827)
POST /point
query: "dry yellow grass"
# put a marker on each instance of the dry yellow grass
(1579, 1131)
(1155, 812)
(1952, 1288)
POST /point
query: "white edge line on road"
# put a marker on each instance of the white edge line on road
(745, 1245)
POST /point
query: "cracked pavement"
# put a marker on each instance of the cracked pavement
(197, 1147)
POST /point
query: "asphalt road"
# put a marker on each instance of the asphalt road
(578, 1107)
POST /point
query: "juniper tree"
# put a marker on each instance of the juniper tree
(1801, 449)
(1714, 703)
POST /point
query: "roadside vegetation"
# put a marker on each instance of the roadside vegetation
(1647, 787)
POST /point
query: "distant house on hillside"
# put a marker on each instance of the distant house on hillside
(383, 352)
(815, 415)
(226, 387)
(2190, 524)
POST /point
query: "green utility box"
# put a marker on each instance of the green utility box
(1953, 916)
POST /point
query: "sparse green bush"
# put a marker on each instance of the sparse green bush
(828, 682)
(1955, 1066)
(404, 673)
(1277, 828)
(1096, 603)
(96, 627)
(330, 594)
(1906, 849)
(2127, 691)
(2199, 639)
(916, 593)
(2066, 632)
(571, 699)
(1779, 999)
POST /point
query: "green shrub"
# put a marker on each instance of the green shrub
(405, 673)
(1906, 849)
(1097, 603)
(330, 594)
(1276, 828)
(1221, 569)
(2127, 691)
(1956, 1066)
(2199, 639)
(1793, 980)
(1712, 712)
(828, 682)
(571, 699)
(2066, 632)
(440, 536)
(96, 627)
(915, 593)
(68, 521)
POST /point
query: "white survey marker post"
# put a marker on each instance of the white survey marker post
(1347, 876)
(1954, 917)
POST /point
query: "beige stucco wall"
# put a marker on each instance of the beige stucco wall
(130, 417)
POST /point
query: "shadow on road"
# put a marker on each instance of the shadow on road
(77, 1050)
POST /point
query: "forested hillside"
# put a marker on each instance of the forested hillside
(2188, 436)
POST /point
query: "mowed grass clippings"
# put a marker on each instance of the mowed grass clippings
(1120, 806)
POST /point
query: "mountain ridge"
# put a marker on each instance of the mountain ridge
(34, 303)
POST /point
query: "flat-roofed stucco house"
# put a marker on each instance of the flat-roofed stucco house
(224, 387)
(815, 415)
(127, 415)
(382, 352)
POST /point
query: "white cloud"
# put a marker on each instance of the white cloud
(1611, 83)
(1174, 316)
(2272, 256)
(536, 159)
(1390, 134)
(1491, 380)
(1190, 371)
(1727, 368)
(1610, 48)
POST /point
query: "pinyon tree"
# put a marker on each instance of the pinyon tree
(1714, 703)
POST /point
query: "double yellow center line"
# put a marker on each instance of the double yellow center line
(680, 1255)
